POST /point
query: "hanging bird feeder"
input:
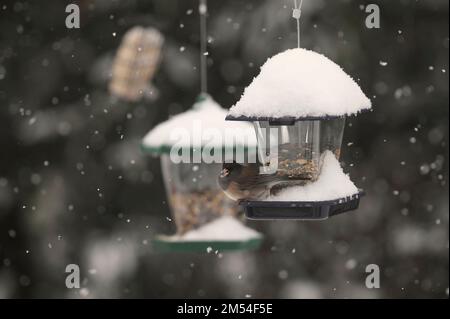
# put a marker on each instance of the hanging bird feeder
(205, 218)
(298, 105)
(135, 64)
(193, 145)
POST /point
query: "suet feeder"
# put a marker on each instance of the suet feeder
(135, 64)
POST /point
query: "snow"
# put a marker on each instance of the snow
(225, 228)
(211, 117)
(301, 83)
(332, 184)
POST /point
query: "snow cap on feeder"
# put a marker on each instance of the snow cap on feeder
(203, 125)
(332, 184)
(300, 84)
(193, 193)
(223, 234)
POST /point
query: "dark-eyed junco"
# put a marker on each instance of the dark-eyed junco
(245, 181)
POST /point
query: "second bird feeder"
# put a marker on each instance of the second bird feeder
(202, 213)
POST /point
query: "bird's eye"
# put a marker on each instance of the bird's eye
(225, 172)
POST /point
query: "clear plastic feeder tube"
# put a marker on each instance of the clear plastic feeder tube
(292, 152)
(288, 155)
(193, 193)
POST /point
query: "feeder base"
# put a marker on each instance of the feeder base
(170, 244)
(267, 210)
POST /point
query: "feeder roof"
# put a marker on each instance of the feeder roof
(300, 84)
(205, 119)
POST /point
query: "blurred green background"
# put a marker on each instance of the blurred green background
(75, 187)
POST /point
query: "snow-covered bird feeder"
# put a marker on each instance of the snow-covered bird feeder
(192, 146)
(298, 105)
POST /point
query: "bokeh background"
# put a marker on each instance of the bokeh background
(75, 187)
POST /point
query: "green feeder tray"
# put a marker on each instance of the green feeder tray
(169, 244)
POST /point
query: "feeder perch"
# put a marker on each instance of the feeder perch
(298, 105)
(195, 198)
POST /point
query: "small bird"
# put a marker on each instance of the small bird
(244, 181)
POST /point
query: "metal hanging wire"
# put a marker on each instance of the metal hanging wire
(203, 12)
(296, 14)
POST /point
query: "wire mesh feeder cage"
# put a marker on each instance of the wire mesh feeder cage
(135, 64)
(297, 174)
(197, 203)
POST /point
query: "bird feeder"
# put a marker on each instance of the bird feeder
(135, 64)
(298, 105)
(193, 193)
